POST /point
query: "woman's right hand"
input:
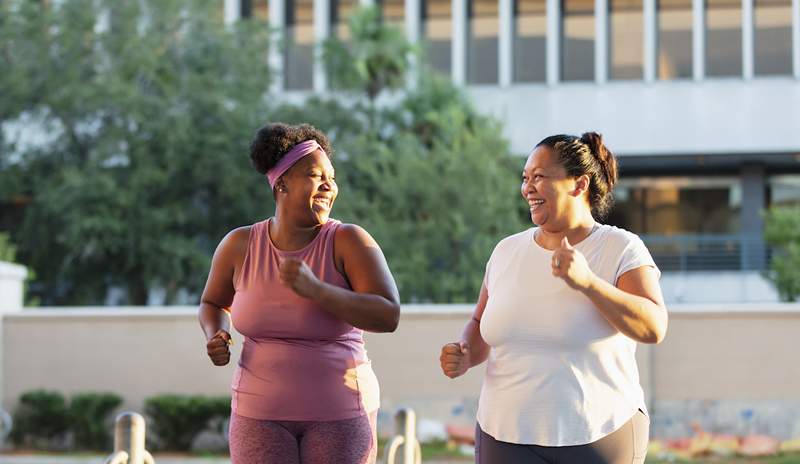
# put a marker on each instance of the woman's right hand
(217, 348)
(455, 359)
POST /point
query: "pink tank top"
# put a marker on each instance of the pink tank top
(298, 361)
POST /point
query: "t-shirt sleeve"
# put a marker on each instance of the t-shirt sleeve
(635, 255)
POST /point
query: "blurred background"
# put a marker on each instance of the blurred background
(124, 133)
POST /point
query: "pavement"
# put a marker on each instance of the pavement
(160, 459)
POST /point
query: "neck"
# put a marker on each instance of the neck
(575, 231)
(289, 235)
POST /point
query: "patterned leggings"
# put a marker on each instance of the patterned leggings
(348, 441)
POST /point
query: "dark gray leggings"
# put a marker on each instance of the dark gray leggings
(628, 445)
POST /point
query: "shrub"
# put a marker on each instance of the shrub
(90, 422)
(41, 418)
(177, 419)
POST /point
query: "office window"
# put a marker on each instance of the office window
(626, 38)
(299, 44)
(341, 11)
(437, 30)
(482, 41)
(723, 38)
(257, 9)
(674, 39)
(577, 51)
(530, 45)
(784, 190)
(393, 13)
(773, 37)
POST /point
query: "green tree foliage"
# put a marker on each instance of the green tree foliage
(141, 112)
(782, 232)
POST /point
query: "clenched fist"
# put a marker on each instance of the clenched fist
(569, 264)
(455, 359)
(296, 275)
(218, 348)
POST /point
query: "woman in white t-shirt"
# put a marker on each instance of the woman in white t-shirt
(560, 311)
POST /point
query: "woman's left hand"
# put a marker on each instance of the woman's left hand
(570, 265)
(296, 274)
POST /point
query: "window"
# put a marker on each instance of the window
(530, 41)
(577, 52)
(674, 39)
(437, 29)
(257, 9)
(626, 38)
(482, 41)
(773, 37)
(341, 10)
(393, 13)
(723, 38)
(299, 44)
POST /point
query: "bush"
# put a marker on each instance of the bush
(90, 422)
(782, 232)
(178, 419)
(41, 418)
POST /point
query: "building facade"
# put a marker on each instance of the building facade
(700, 99)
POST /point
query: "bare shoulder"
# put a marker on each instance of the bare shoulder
(350, 236)
(235, 242)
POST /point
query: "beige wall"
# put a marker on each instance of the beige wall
(732, 352)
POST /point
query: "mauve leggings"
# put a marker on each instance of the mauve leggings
(348, 441)
(628, 445)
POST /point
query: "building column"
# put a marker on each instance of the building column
(413, 20)
(276, 56)
(553, 41)
(754, 200)
(796, 38)
(322, 30)
(650, 49)
(748, 31)
(458, 45)
(601, 41)
(505, 43)
(233, 11)
(698, 40)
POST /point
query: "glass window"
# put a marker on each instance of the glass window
(437, 30)
(341, 10)
(577, 52)
(784, 190)
(393, 13)
(674, 39)
(482, 41)
(626, 37)
(773, 37)
(723, 37)
(299, 44)
(530, 47)
(678, 205)
(257, 9)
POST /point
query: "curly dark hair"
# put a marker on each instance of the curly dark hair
(588, 155)
(274, 140)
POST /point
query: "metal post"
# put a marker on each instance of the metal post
(405, 423)
(129, 434)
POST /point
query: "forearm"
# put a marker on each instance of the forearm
(365, 311)
(479, 349)
(637, 317)
(212, 319)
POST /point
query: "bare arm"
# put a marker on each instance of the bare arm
(635, 306)
(457, 358)
(218, 293)
(373, 304)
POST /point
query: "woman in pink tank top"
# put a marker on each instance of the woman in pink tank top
(301, 288)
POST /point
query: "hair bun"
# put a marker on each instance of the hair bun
(603, 155)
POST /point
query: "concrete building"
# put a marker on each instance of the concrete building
(699, 99)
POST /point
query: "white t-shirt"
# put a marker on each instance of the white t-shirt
(558, 373)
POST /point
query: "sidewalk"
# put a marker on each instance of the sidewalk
(49, 459)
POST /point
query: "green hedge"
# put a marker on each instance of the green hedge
(90, 420)
(175, 420)
(41, 418)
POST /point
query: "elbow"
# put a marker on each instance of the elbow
(392, 319)
(656, 334)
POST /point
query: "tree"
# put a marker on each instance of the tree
(143, 112)
(782, 232)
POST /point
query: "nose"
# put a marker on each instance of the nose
(327, 183)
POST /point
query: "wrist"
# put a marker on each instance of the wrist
(591, 283)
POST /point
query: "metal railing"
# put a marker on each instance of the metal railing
(405, 423)
(708, 252)
(129, 433)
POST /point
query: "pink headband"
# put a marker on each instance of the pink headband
(298, 151)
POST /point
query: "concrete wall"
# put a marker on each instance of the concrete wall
(716, 362)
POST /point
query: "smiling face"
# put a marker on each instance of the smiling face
(550, 193)
(309, 189)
